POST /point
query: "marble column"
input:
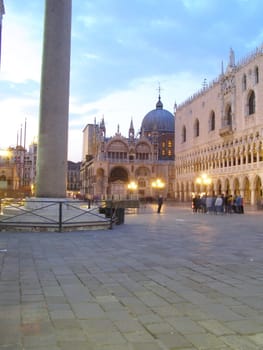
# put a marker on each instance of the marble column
(54, 101)
(2, 12)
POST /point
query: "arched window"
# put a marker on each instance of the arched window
(256, 75)
(228, 118)
(244, 82)
(184, 134)
(251, 103)
(212, 121)
(196, 128)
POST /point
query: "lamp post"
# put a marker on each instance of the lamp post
(132, 187)
(203, 182)
(158, 185)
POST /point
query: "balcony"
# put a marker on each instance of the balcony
(226, 131)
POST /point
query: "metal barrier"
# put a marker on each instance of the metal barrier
(53, 215)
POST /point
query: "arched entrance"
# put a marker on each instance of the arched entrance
(118, 180)
(236, 187)
(218, 187)
(100, 183)
(227, 187)
(258, 189)
(247, 191)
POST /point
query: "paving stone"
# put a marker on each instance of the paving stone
(238, 342)
(107, 338)
(174, 341)
(76, 345)
(145, 346)
(205, 341)
(216, 327)
(179, 282)
(87, 310)
(129, 325)
(139, 337)
(257, 339)
(247, 326)
(97, 326)
(185, 325)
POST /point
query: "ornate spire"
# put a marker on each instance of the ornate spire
(231, 58)
(131, 130)
(159, 104)
(231, 63)
(102, 128)
(222, 68)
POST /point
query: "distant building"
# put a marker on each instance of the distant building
(219, 133)
(73, 179)
(18, 172)
(121, 167)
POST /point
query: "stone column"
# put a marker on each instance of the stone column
(2, 12)
(54, 101)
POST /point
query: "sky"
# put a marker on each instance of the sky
(122, 52)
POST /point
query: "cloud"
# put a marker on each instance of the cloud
(21, 54)
(120, 52)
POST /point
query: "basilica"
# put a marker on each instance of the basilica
(212, 144)
(137, 166)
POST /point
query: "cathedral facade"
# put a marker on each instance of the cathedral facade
(122, 167)
(219, 134)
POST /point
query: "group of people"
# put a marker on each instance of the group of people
(220, 204)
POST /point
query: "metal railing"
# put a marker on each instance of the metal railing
(56, 215)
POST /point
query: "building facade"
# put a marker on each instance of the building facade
(18, 172)
(73, 179)
(127, 167)
(219, 134)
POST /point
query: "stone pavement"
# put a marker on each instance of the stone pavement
(174, 280)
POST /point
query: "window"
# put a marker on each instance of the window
(196, 128)
(212, 121)
(251, 103)
(244, 82)
(184, 134)
(256, 75)
(228, 116)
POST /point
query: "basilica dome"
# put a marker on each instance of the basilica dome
(158, 119)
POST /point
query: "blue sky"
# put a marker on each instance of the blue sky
(121, 51)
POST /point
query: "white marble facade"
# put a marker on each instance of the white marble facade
(219, 132)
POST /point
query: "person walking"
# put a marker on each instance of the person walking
(160, 203)
(219, 205)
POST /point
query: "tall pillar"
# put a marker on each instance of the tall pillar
(54, 101)
(2, 12)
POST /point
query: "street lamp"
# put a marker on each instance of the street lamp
(158, 185)
(4, 153)
(132, 187)
(203, 181)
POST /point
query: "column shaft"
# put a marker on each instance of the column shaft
(54, 101)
